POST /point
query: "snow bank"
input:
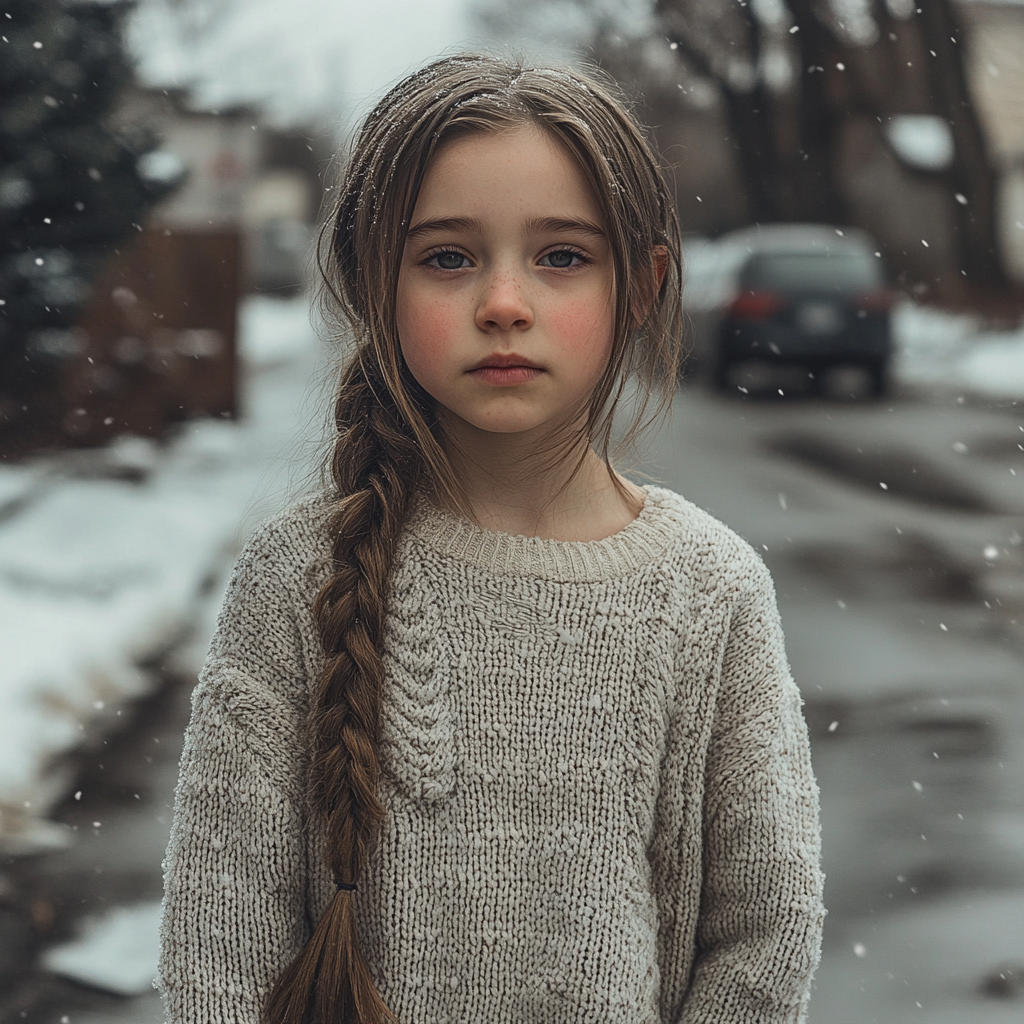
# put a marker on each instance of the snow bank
(943, 351)
(100, 568)
(117, 953)
(995, 365)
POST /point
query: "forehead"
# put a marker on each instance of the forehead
(523, 170)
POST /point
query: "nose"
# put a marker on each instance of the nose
(504, 304)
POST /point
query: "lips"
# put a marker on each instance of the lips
(502, 361)
(505, 370)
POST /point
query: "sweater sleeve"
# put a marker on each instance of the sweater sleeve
(761, 914)
(235, 872)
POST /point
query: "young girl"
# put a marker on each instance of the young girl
(489, 734)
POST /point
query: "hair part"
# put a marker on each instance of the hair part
(389, 443)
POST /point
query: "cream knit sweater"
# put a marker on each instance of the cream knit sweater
(600, 806)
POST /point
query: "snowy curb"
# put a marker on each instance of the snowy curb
(938, 351)
(109, 558)
(116, 953)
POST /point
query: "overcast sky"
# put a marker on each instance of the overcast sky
(299, 59)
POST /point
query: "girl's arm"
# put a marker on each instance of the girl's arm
(759, 929)
(235, 871)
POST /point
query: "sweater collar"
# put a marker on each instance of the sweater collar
(636, 545)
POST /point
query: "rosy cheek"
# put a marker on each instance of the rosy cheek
(426, 330)
(581, 328)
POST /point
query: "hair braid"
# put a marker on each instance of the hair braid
(375, 466)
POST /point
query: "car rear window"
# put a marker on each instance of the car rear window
(848, 271)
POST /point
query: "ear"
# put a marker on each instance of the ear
(651, 289)
(660, 253)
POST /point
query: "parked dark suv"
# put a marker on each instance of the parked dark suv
(803, 296)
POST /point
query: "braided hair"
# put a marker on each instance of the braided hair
(389, 444)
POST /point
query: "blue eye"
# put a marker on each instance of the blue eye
(562, 259)
(449, 260)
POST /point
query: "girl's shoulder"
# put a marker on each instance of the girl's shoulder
(698, 545)
(291, 546)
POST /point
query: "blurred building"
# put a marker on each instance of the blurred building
(238, 174)
(156, 342)
(997, 81)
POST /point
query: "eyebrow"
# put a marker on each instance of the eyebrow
(543, 224)
(536, 225)
(443, 224)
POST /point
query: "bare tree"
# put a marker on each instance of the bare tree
(897, 56)
(886, 58)
(972, 174)
(724, 43)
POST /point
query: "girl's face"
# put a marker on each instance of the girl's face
(506, 290)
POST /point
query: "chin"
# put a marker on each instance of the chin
(503, 423)
(517, 427)
(510, 421)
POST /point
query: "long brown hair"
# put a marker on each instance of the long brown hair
(389, 445)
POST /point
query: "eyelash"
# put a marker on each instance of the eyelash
(582, 257)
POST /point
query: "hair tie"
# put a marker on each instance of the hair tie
(347, 886)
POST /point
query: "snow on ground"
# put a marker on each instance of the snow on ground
(110, 556)
(117, 952)
(937, 350)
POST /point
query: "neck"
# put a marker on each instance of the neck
(555, 495)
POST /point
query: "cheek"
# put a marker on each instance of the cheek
(584, 330)
(424, 329)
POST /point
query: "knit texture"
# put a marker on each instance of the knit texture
(600, 805)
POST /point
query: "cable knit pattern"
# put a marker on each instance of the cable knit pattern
(600, 806)
(419, 733)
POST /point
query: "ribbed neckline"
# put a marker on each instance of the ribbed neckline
(634, 546)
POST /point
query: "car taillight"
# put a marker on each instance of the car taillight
(756, 305)
(880, 301)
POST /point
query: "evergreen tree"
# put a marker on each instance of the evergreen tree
(71, 186)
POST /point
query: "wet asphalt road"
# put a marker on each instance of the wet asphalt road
(894, 533)
(904, 612)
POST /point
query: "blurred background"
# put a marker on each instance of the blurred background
(850, 177)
